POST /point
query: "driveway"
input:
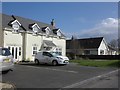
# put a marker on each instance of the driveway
(29, 75)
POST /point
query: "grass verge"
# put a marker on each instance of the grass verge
(98, 63)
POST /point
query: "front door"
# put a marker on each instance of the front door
(15, 51)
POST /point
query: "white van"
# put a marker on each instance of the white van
(50, 58)
(6, 60)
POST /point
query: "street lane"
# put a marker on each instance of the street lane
(45, 76)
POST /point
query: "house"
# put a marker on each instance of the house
(89, 46)
(25, 37)
(112, 50)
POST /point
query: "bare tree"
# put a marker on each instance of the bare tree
(75, 46)
(114, 43)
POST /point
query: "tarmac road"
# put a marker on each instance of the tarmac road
(29, 75)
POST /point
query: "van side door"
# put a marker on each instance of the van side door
(47, 57)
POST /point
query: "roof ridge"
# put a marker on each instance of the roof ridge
(91, 38)
(25, 18)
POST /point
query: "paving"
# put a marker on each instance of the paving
(29, 75)
(6, 85)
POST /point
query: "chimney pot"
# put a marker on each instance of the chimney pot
(53, 23)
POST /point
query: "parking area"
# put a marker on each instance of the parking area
(29, 75)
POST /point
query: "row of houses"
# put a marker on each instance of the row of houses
(25, 37)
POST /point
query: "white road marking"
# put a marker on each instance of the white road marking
(62, 70)
(87, 80)
(69, 71)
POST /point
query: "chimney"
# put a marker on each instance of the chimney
(13, 17)
(53, 23)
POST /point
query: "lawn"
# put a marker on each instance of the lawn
(98, 63)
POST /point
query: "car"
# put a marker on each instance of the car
(6, 60)
(46, 57)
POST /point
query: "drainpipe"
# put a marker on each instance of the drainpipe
(1, 33)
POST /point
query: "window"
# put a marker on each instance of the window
(87, 52)
(101, 52)
(47, 54)
(16, 54)
(47, 33)
(35, 29)
(16, 25)
(19, 51)
(9, 48)
(34, 50)
(58, 33)
(12, 51)
(59, 51)
(47, 30)
(44, 53)
(15, 31)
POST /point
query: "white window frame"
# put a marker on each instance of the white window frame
(35, 32)
(16, 22)
(59, 50)
(34, 49)
(102, 52)
(47, 30)
(20, 51)
(59, 33)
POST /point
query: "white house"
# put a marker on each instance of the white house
(25, 37)
(89, 46)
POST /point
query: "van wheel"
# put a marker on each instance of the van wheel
(54, 63)
(37, 62)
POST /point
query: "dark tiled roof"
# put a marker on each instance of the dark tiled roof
(87, 43)
(6, 20)
(55, 31)
(43, 29)
(25, 22)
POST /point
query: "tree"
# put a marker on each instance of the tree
(114, 43)
(75, 47)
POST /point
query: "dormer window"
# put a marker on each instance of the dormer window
(46, 30)
(35, 29)
(15, 25)
(58, 33)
